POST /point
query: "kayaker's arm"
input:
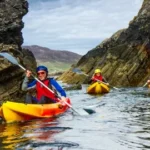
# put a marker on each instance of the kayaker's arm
(58, 87)
(26, 85)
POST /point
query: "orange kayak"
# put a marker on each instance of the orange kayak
(12, 111)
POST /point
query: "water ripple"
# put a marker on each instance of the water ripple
(40, 145)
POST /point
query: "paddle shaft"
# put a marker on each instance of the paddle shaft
(49, 89)
(106, 84)
(145, 84)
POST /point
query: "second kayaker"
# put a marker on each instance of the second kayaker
(97, 77)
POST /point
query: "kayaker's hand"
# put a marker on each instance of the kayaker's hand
(28, 73)
(148, 81)
(98, 81)
(62, 101)
(93, 79)
(107, 84)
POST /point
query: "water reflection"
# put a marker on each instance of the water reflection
(10, 135)
(33, 135)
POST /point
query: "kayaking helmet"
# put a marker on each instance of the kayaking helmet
(97, 71)
(41, 68)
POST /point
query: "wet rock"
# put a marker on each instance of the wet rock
(11, 14)
(71, 77)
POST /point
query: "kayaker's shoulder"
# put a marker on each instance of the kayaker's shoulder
(51, 80)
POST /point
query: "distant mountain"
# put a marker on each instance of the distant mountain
(44, 54)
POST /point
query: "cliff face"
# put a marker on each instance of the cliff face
(11, 13)
(123, 58)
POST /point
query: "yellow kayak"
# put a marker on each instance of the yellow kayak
(12, 111)
(98, 88)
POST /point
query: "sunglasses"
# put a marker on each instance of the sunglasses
(41, 73)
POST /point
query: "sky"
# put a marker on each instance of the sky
(76, 25)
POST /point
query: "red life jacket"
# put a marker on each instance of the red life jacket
(98, 78)
(42, 91)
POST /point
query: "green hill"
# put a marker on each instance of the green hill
(55, 60)
(55, 66)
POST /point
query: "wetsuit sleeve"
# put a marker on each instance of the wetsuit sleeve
(26, 85)
(58, 87)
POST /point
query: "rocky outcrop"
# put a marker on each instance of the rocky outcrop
(123, 58)
(11, 13)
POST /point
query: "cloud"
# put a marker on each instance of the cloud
(77, 25)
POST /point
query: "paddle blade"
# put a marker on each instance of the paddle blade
(9, 57)
(12, 59)
(78, 71)
(89, 111)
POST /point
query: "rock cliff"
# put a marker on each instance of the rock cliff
(11, 13)
(123, 58)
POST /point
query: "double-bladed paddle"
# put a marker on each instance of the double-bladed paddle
(14, 61)
(106, 84)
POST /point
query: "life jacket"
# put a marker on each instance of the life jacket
(42, 91)
(98, 78)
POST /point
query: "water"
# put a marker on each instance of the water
(121, 122)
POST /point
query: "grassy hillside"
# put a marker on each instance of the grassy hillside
(55, 66)
(55, 60)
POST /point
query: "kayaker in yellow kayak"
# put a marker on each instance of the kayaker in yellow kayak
(43, 96)
(97, 76)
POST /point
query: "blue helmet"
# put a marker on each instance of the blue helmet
(41, 68)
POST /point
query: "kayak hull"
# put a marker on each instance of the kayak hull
(98, 88)
(14, 112)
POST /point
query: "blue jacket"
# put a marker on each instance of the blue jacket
(26, 85)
